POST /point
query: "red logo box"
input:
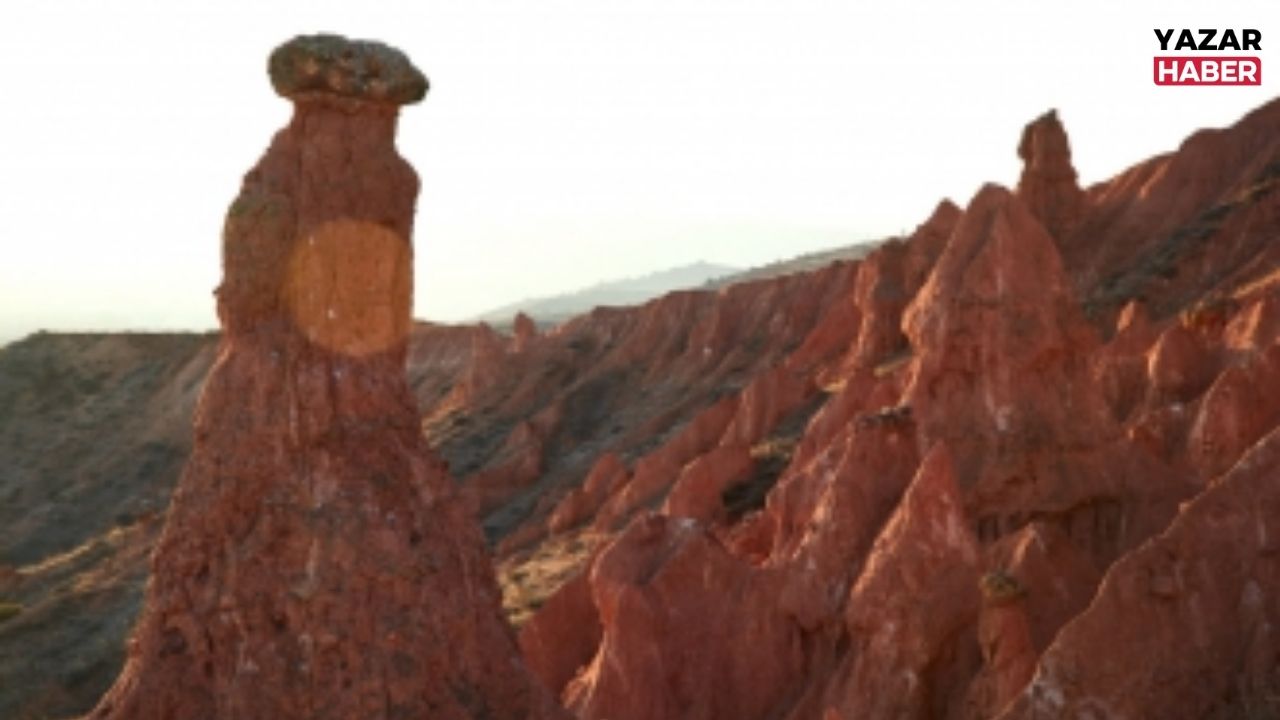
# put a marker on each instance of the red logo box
(1238, 70)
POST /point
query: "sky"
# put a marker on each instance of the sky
(563, 142)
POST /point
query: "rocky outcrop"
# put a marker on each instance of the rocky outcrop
(1000, 374)
(607, 476)
(672, 645)
(881, 294)
(1185, 625)
(562, 638)
(909, 613)
(316, 562)
(1176, 228)
(1180, 366)
(699, 491)
(1048, 184)
(654, 473)
(1008, 654)
(523, 332)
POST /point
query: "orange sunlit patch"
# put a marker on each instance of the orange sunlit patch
(350, 285)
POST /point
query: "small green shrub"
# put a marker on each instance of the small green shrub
(9, 610)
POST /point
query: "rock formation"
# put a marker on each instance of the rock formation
(1185, 626)
(915, 602)
(1048, 184)
(1018, 462)
(1054, 448)
(316, 562)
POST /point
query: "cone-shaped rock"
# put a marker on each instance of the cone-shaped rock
(911, 605)
(315, 563)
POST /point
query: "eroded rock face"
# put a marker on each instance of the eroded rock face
(316, 562)
(1001, 372)
(911, 607)
(1185, 625)
(881, 293)
(673, 646)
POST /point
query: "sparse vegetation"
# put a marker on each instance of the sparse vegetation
(771, 458)
(999, 587)
(9, 610)
(893, 362)
(1169, 256)
(529, 578)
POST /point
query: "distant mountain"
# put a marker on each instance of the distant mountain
(801, 263)
(629, 291)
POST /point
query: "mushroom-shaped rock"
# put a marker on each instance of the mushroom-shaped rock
(356, 69)
(316, 561)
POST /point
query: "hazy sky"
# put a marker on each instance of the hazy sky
(564, 141)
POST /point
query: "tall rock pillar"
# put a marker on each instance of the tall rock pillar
(315, 563)
(1048, 184)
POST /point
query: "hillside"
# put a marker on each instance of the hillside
(1020, 463)
(801, 263)
(616, 293)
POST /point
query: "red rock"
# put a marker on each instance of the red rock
(1173, 228)
(315, 563)
(674, 646)
(1002, 375)
(1000, 352)
(607, 476)
(881, 294)
(927, 243)
(1255, 327)
(1183, 626)
(826, 514)
(563, 635)
(698, 491)
(769, 398)
(523, 452)
(524, 332)
(1009, 657)
(1179, 366)
(830, 337)
(907, 614)
(1240, 406)
(1056, 578)
(487, 365)
(1048, 184)
(1121, 366)
(654, 473)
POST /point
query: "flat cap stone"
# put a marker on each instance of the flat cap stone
(358, 69)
